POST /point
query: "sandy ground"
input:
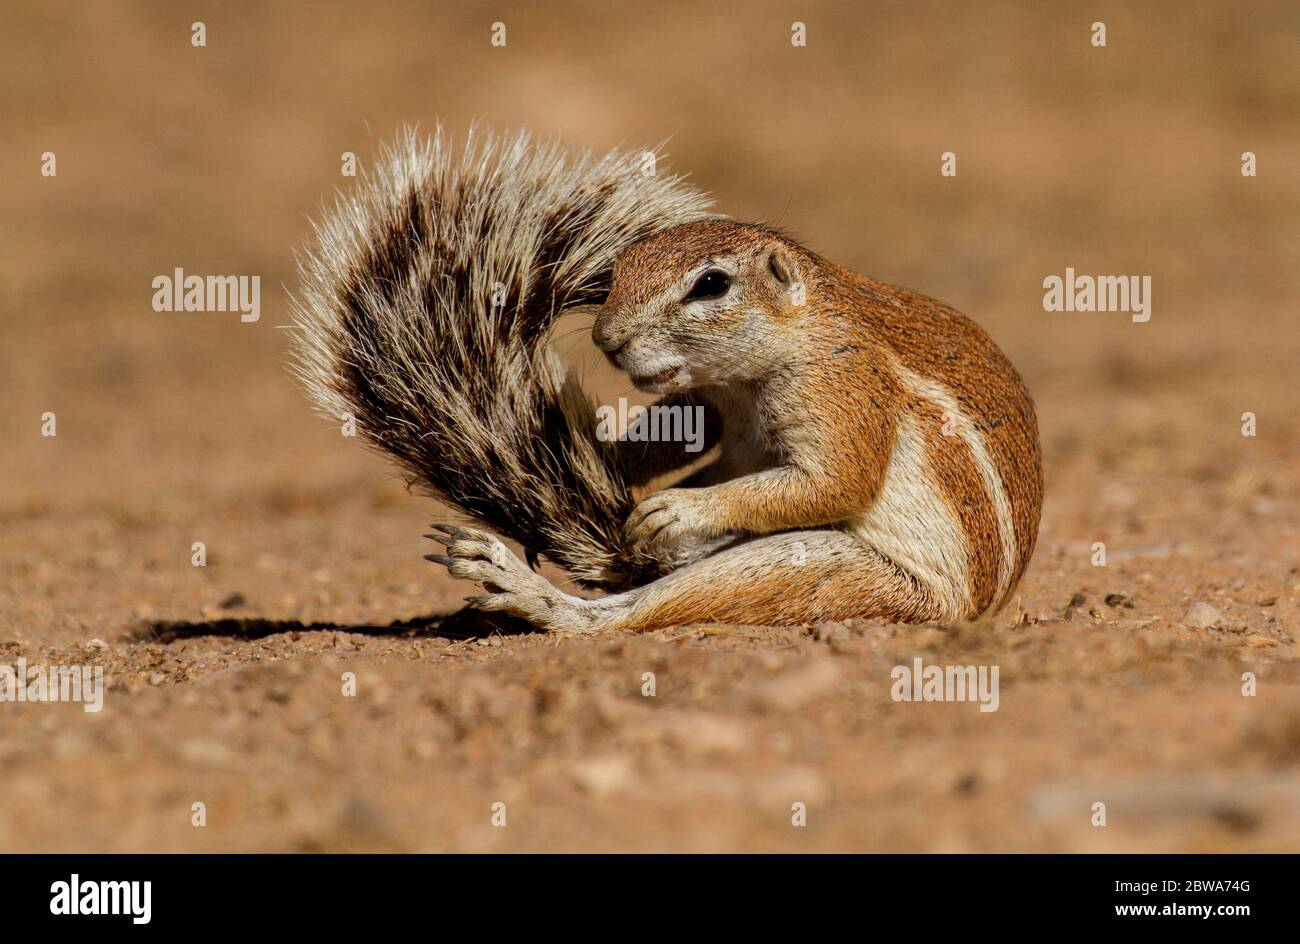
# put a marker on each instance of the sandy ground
(225, 682)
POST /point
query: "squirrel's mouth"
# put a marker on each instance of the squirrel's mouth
(656, 382)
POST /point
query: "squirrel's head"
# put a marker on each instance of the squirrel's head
(702, 303)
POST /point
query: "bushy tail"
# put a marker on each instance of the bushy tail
(426, 305)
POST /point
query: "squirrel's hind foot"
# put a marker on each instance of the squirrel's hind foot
(512, 586)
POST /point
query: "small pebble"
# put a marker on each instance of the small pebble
(1201, 615)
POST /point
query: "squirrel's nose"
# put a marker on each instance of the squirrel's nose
(607, 340)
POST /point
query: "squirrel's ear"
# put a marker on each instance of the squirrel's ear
(780, 267)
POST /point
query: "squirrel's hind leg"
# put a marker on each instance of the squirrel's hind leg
(782, 579)
(785, 579)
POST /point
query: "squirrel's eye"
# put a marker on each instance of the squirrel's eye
(712, 284)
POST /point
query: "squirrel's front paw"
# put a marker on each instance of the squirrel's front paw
(666, 519)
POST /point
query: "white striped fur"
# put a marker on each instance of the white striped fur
(948, 407)
(913, 525)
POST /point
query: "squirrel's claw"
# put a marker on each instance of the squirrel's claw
(512, 587)
(664, 520)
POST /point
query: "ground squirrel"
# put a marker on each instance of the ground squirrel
(877, 457)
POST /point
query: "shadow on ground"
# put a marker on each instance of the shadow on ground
(466, 623)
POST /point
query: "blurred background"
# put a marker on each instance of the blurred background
(176, 427)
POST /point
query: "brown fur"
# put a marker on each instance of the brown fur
(810, 413)
(943, 345)
(757, 583)
(954, 464)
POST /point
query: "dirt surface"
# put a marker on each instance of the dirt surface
(225, 682)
